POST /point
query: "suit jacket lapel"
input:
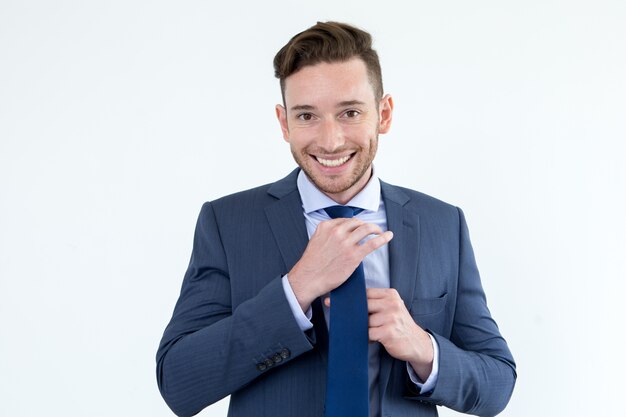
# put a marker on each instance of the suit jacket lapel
(404, 247)
(286, 219)
(403, 256)
(287, 223)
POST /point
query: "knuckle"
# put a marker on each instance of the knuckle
(323, 226)
(375, 228)
(352, 224)
(335, 232)
(371, 244)
(370, 228)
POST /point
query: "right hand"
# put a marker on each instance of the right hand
(332, 255)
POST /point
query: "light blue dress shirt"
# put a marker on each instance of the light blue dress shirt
(375, 265)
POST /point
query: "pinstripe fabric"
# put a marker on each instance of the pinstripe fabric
(232, 331)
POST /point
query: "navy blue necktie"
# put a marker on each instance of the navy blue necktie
(347, 385)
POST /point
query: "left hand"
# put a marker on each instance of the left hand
(391, 324)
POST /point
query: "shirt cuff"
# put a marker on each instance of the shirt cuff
(303, 320)
(429, 384)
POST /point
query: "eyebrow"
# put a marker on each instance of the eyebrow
(302, 107)
(340, 104)
(350, 103)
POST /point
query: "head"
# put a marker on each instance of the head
(328, 42)
(333, 106)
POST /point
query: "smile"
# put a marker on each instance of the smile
(333, 162)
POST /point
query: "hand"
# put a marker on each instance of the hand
(391, 324)
(332, 255)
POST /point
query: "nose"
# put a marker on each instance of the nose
(331, 136)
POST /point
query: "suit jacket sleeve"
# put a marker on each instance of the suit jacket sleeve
(476, 369)
(210, 349)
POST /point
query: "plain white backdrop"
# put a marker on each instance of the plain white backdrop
(118, 119)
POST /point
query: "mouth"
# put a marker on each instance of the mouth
(333, 162)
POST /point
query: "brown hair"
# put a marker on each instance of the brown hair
(328, 42)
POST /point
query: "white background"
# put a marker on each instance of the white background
(118, 119)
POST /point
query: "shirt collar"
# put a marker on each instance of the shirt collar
(313, 199)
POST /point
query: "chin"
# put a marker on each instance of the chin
(333, 186)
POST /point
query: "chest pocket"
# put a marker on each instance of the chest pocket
(429, 313)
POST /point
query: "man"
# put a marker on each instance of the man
(253, 316)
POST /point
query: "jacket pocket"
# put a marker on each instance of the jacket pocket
(430, 313)
(427, 306)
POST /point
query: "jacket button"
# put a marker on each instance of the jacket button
(285, 353)
(277, 358)
(268, 362)
(261, 367)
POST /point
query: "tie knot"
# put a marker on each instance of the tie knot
(336, 212)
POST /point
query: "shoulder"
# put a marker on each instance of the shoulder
(254, 200)
(431, 213)
(244, 197)
(416, 200)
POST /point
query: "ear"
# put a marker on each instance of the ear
(385, 114)
(281, 115)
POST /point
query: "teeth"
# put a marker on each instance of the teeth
(333, 162)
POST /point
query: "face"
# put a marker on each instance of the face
(331, 122)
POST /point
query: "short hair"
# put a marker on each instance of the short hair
(328, 42)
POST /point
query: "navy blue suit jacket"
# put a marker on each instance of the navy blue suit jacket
(233, 333)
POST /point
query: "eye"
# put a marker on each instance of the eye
(352, 113)
(305, 117)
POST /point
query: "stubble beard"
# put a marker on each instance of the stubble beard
(332, 184)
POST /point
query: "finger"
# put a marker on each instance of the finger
(376, 334)
(376, 242)
(327, 301)
(340, 225)
(364, 230)
(350, 231)
(375, 293)
(375, 305)
(376, 320)
(371, 333)
(348, 223)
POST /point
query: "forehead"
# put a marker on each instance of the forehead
(328, 83)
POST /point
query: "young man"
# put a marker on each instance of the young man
(270, 267)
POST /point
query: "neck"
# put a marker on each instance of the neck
(344, 197)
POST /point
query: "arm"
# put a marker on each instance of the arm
(476, 369)
(476, 372)
(208, 350)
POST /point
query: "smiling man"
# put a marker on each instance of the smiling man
(333, 123)
(329, 292)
